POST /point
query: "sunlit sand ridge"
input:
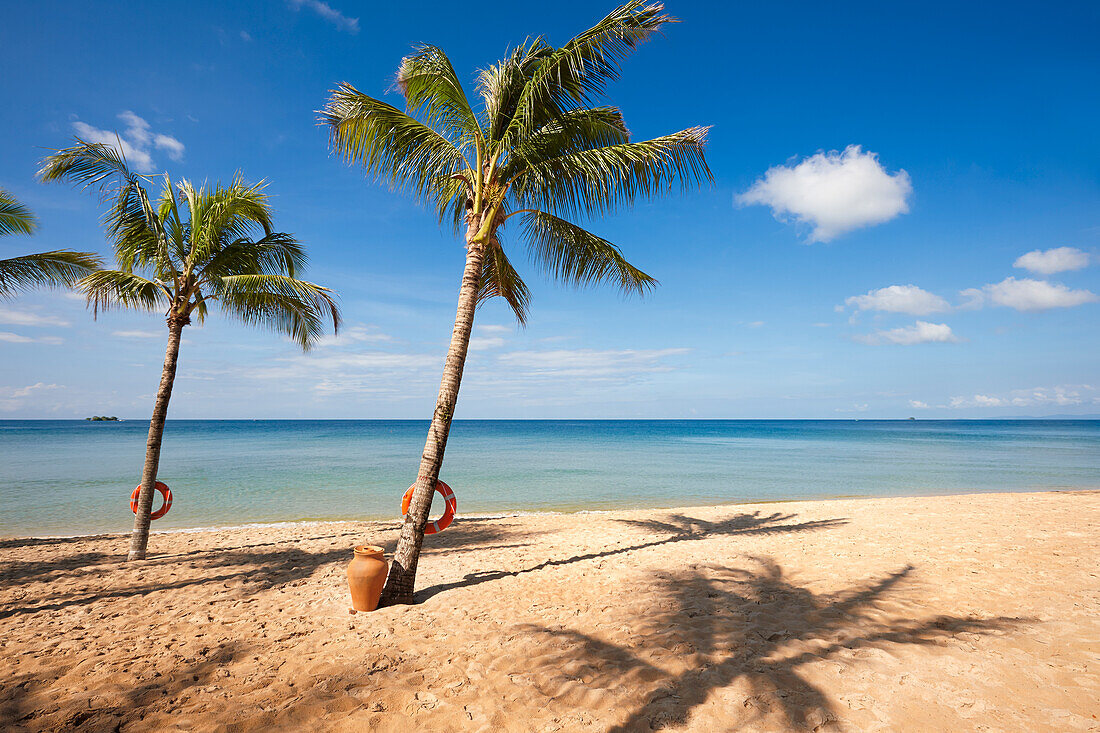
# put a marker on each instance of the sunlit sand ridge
(945, 613)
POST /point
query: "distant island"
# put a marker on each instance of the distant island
(101, 418)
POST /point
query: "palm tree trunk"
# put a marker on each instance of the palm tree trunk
(402, 576)
(139, 541)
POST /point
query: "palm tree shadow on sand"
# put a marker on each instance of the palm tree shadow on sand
(677, 528)
(724, 625)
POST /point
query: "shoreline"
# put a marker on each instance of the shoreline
(283, 523)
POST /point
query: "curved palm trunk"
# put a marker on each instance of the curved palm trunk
(402, 576)
(139, 541)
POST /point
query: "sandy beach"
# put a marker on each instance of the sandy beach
(954, 613)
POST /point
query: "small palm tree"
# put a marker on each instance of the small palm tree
(208, 255)
(537, 149)
(61, 267)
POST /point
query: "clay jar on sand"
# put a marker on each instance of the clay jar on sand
(366, 576)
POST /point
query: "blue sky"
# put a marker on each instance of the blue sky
(882, 171)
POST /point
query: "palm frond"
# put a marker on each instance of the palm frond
(500, 280)
(276, 254)
(15, 217)
(91, 165)
(283, 304)
(578, 72)
(501, 85)
(579, 257)
(576, 130)
(111, 289)
(131, 222)
(597, 180)
(60, 268)
(226, 213)
(390, 144)
(430, 85)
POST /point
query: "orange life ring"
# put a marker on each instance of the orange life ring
(448, 514)
(164, 491)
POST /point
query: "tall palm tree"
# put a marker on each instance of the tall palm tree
(538, 148)
(61, 267)
(197, 248)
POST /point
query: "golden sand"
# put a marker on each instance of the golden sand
(957, 613)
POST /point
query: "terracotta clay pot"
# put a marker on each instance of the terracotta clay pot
(366, 576)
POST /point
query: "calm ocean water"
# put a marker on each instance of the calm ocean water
(74, 477)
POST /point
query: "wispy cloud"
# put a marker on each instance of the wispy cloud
(15, 338)
(1066, 395)
(12, 398)
(489, 336)
(329, 13)
(1051, 261)
(1027, 294)
(355, 335)
(137, 140)
(137, 334)
(590, 363)
(27, 318)
(920, 332)
(833, 192)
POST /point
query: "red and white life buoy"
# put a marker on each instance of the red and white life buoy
(448, 514)
(164, 491)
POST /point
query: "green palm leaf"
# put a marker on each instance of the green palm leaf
(390, 144)
(430, 84)
(500, 280)
(60, 268)
(578, 72)
(284, 304)
(599, 180)
(114, 289)
(15, 218)
(579, 257)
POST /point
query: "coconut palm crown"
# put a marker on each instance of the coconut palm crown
(59, 268)
(539, 146)
(196, 247)
(188, 250)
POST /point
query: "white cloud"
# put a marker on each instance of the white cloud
(834, 192)
(1048, 262)
(137, 141)
(354, 335)
(488, 336)
(755, 324)
(918, 405)
(1065, 395)
(900, 299)
(589, 363)
(1026, 294)
(15, 338)
(31, 389)
(329, 13)
(137, 334)
(921, 332)
(246, 36)
(11, 398)
(481, 343)
(25, 318)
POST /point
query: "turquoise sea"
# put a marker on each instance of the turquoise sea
(75, 477)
